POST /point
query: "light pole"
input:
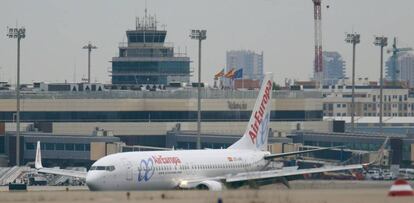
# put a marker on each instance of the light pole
(18, 33)
(353, 39)
(199, 35)
(89, 47)
(381, 42)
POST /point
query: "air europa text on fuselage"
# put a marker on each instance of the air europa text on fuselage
(258, 115)
(166, 160)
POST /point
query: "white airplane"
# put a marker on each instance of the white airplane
(245, 161)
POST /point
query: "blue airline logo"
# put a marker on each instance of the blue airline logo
(146, 170)
(263, 130)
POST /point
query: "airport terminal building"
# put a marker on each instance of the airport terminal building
(168, 118)
(146, 117)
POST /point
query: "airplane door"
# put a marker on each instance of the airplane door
(129, 171)
(192, 169)
(188, 170)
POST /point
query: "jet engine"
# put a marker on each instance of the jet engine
(210, 185)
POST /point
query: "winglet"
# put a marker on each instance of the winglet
(38, 160)
(381, 152)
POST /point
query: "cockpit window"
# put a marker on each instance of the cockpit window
(102, 168)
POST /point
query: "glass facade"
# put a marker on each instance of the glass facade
(148, 72)
(147, 36)
(156, 116)
(147, 52)
(59, 146)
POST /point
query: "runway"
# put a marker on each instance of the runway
(302, 191)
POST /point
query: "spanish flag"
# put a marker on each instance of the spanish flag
(230, 74)
(219, 74)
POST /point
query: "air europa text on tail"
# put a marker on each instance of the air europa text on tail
(258, 115)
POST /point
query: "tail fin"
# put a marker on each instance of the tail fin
(38, 159)
(257, 132)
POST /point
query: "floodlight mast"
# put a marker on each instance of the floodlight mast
(381, 42)
(199, 35)
(17, 33)
(353, 39)
(89, 47)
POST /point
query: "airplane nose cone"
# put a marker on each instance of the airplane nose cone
(92, 181)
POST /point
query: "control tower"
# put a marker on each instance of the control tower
(147, 59)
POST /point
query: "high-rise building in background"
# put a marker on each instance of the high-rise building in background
(147, 59)
(334, 67)
(393, 74)
(249, 61)
(405, 67)
(389, 69)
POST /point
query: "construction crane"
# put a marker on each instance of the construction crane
(392, 67)
(318, 68)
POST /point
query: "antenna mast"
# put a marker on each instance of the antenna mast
(318, 68)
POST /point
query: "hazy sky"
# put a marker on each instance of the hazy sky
(283, 30)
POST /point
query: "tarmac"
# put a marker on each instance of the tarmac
(300, 192)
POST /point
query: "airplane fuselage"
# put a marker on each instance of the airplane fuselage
(159, 170)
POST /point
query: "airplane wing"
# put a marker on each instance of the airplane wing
(279, 155)
(63, 172)
(261, 175)
(214, 182)
(55, 171)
